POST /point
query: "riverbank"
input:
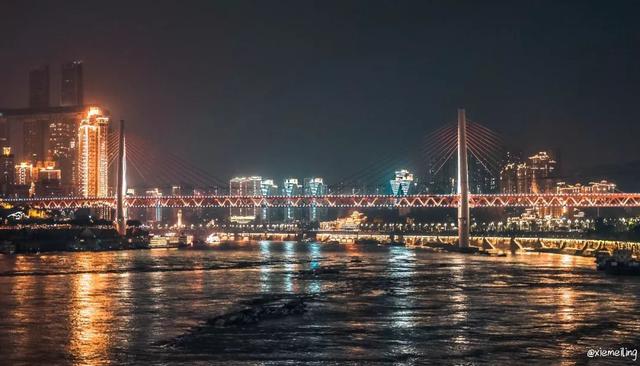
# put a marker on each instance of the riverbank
(66, 238)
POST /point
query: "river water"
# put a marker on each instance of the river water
(364, 305)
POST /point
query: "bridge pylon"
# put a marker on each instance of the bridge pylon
(463, 182)
(121, 222)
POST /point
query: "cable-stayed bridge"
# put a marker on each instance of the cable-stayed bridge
(342, 200)
(480, 143)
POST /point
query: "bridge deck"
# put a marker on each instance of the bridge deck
(363, 201)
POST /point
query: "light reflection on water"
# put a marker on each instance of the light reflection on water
(386, 303)
(401, 266)
(315, 256)
(289, 266)
(265, 268)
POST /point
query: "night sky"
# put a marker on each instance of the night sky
(301, 87)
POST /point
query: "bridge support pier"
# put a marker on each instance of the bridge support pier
(463, 182)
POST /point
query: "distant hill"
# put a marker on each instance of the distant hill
(625, 175)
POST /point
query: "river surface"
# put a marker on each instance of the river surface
(364, 305)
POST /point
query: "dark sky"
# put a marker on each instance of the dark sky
(302, 87)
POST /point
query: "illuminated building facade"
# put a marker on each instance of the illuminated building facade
(481, 179)
(7, 171)
(62, 148)
(541, 173)
(442, 179)
(509, 178)
(349, 223)
(24, 173)
(593, 187)
(602, 186)
(93, 160)
(154, 214)
(315, 186)
(245, 186)
(401, 183)
(290, 188)
(268, 188)
(43, 132)
(536, 175)
(42, 179)
(39, 134)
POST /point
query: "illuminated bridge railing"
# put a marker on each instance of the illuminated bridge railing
(356, 201)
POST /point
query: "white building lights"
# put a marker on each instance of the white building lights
(401, 183)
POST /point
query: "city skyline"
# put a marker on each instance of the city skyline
(319, 182)
(48, 136)
(525, 95)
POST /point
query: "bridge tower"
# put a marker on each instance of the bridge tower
(121, 223)
(463, 182)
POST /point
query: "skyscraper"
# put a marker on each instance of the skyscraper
(40, 134)
(7, 171)
(509, 178)
(34, 137)
(154, 214)
(71, 85)
(23, 174)
(62, 148)
(244, 186)
(315, 187)
(401, 183)
(39, 87)
(542, 173)
(93, 160)
(268, 188)
(536, 175)
(291, 188)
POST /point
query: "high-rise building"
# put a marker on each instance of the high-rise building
(39, 87)
(315, 187)
(536, 175)
(441, 177)
(245, 186)
(7, 171)
(482, 179)
(509, 178)
(290, 188)
(24, 180)
(542, 172)
(508, 175)
(71, 88)
(401, 183)
(154, 214)
(62, 148)
(268, 188)
(93, 161)
(39, 134)
(34, 139)
(24, 173)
